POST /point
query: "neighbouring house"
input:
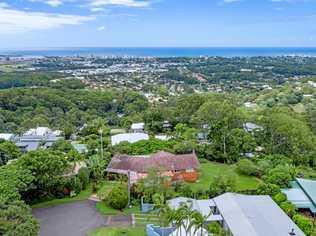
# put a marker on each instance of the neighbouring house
(128, 137)
(138, 127)
(250, 105)
(302, 194)
(178, 167)
(80, 147)
(253, 215)
(162, 137)
(243, 215)
(166, 125)
(252, 127)
(202, 135)
(7, 136)
(41, 137)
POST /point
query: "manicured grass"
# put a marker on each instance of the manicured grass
(211, 169)
(106, 186)
(83, 195)
(104, 209)
(137, 231)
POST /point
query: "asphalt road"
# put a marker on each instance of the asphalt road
(73, 219)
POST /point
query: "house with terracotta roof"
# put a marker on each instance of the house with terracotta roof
(177, 167)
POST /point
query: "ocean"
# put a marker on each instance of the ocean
(166, 51)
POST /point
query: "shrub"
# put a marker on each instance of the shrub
(216, 229)
(74, 184)
(305, 224)
(83, 175)
(280, 175)
(247, 167)
(264, 166)
(117, 198)
(222, 184)
(279, 198)
(288, 208)
(268, 189)
(16, 219)
(203, 160)
(78, 185)
(184, 190)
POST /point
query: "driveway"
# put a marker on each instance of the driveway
(73, 219)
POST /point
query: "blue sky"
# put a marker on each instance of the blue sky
(156, 23)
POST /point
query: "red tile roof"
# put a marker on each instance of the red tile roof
(161, 160)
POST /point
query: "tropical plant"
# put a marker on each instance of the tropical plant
(16, 219)
(117, 197)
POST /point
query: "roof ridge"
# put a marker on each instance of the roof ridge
(303, 189)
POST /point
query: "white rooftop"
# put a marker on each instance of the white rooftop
(128, 137)
(39, 131)
(6, 136)
(162, 137)
(202, 206)
(248, 215)
(138, 126)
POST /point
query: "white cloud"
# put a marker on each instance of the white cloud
(101, 28)
(125, 3)
(4, 5)
(54, 3)
(231, 1)
(97, 9)
(16, 21)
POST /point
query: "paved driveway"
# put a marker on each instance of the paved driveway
(73, 219)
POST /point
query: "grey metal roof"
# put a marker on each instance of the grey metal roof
(29, 146)
(128, 137)
(257, 215)
(302, 194)
(202, 206)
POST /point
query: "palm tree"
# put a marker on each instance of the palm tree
(187, 212)
(198, 221)
(180, 217)
(165, 213)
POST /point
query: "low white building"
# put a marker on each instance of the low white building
(138, 127)
(39, 131)
(7, 136)
(162, 137)
(128, 137)
(40, 137)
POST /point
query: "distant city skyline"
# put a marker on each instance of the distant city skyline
(157, 23)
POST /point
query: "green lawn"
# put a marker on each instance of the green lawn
(106, 186)
(211, 169)
(83, 195)
(104, 209)
(137, 231)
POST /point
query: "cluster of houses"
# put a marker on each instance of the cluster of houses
(238, 214)
(33, 139)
